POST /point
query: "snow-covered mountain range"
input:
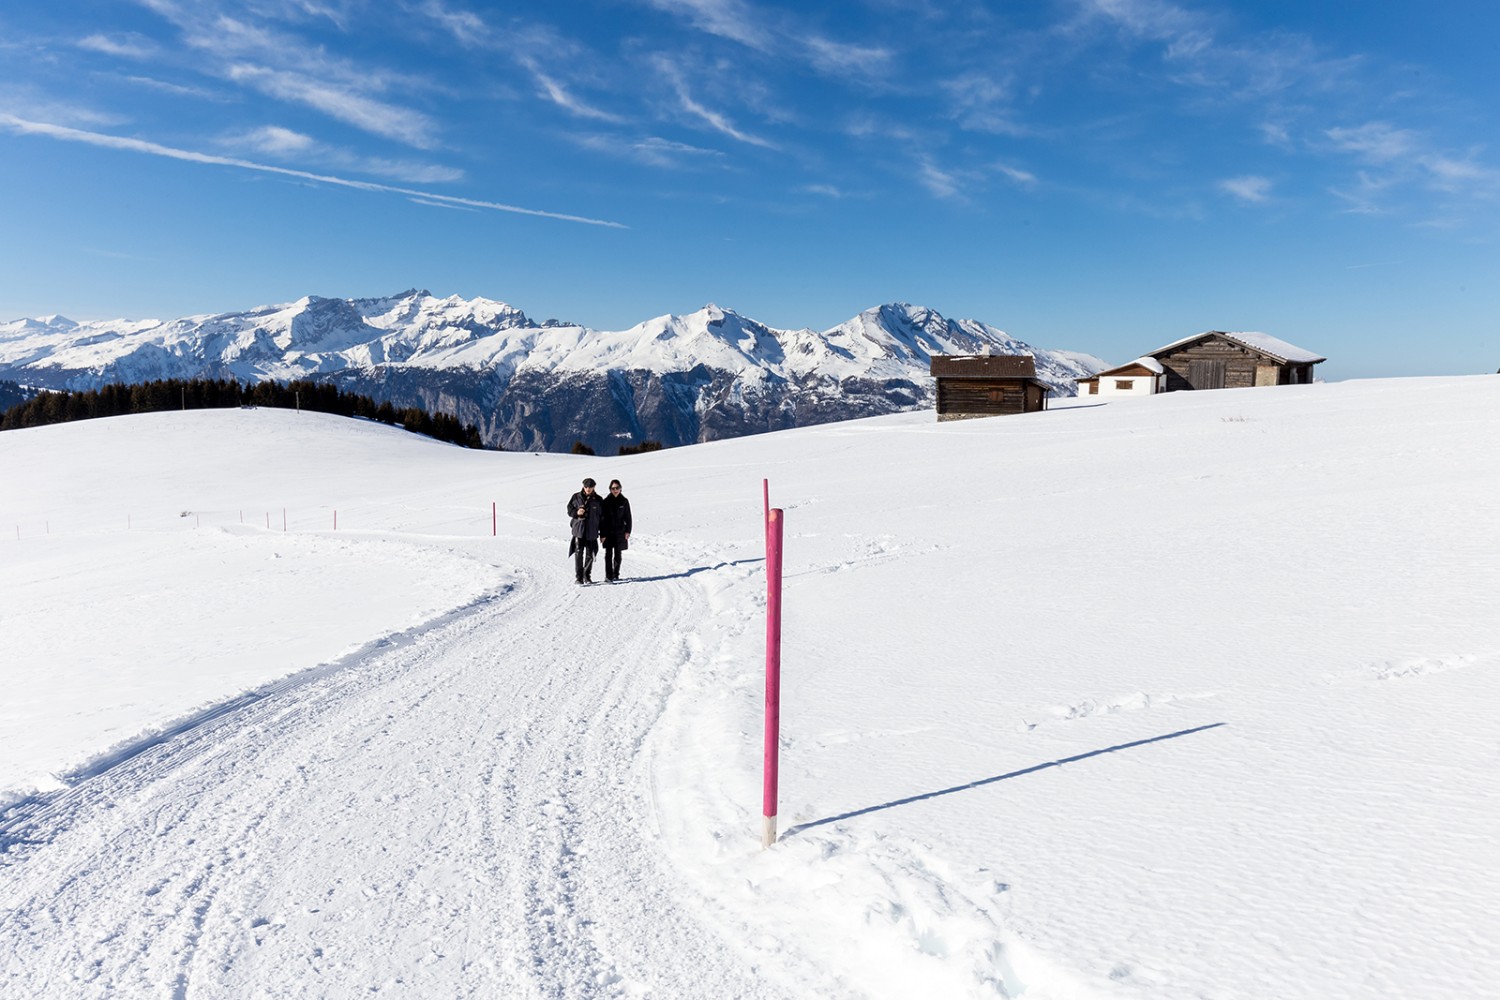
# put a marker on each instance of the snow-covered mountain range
(540, 386)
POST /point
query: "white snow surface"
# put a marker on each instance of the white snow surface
(1193, 698)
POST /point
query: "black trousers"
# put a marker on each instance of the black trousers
(583, 560)
(612, 562)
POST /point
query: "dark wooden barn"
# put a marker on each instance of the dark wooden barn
(1219, 360)
(977, 385)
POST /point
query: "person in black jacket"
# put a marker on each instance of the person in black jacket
(614, 530)
(585, 511)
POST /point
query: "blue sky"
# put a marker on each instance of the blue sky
(1099, 175)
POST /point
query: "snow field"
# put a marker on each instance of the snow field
(1176, 698)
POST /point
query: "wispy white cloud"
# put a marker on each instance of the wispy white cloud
(285, 66)
(1276, 134)
(716, 120)
(287, 144)
(1396, 158)
(720, 122)
(845, 57)
(731, 19)
(652, 150)
(1461, 175)
(126, 46)
(1249, 188)
(869, 126)
(467, 27)
(1025, 178)
(519, 43)
(783, 36)
(939, 182)
(275, 140)
(961, 183)
(365, 113)
(1186, 31)
(1201, 53)
(1364, 196)
(25, 102)
(560, 95)
(66, 134)
(1377, 142)
(180, 90)
(982, 103)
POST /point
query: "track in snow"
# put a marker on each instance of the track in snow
(462, 814)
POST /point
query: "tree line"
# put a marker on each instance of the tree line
(119, 398)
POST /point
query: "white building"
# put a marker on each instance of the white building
(1141, 377)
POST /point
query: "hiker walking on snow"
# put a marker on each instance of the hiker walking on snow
(585, 511)
(614, 531)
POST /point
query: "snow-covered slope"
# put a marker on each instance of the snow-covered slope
(676, 379)
(1206, 711)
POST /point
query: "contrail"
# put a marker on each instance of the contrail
(155, 149)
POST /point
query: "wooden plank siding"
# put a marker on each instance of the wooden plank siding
(1217, 363)
(985, 397)
(1200, 365)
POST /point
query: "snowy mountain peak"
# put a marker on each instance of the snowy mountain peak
(676, 378)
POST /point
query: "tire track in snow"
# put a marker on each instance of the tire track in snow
(464, 814)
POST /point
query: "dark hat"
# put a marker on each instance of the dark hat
(588, 482)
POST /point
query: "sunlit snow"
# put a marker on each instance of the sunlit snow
(1187, 697)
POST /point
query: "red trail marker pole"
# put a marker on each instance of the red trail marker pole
(774, 520)
(494, 519)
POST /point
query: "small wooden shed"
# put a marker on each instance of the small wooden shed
(982, 385)
(1219, 360)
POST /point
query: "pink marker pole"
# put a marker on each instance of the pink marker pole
(773, 675)
(494, 519)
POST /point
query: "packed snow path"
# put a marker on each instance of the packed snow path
(460, 813)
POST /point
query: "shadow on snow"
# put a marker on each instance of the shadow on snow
(999, 777)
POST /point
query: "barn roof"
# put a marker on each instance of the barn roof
(1261, 342)
(984, 365)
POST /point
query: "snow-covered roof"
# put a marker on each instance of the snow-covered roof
(1262, 342)
(1147, 362)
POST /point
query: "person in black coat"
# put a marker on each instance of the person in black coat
(614, 531)
(585, 512)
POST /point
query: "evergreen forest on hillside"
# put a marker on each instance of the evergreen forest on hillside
(12, 393)
(120, 398)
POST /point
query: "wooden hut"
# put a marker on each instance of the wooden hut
(1219, 360)
(981, 385)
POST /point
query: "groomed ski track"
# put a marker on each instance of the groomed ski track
(467, 811)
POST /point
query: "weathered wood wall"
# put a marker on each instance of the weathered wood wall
(957, 398)
(1216, 363)
(1199, 365)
